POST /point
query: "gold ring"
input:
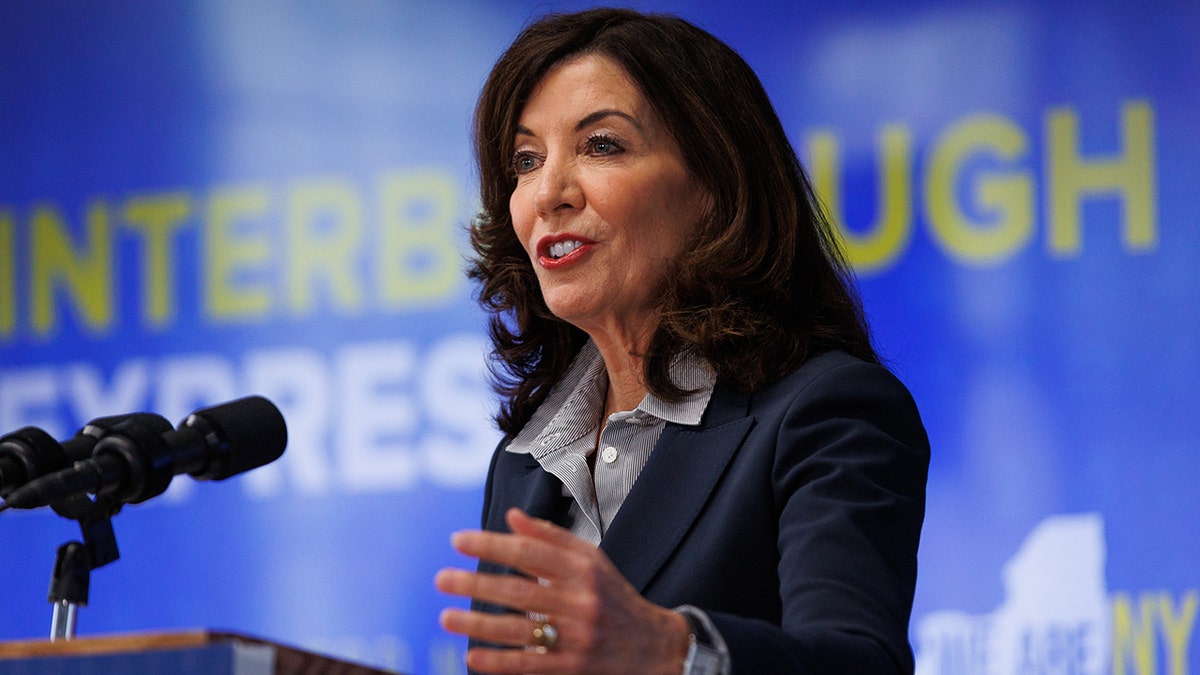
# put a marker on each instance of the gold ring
(545, 635)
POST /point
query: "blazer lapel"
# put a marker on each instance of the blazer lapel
(669, 494)
(520, 481)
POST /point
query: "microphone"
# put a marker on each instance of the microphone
(134, 461)
(30, 453)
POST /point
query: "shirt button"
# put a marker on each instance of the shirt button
(609, 455)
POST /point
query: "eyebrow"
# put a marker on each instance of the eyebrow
(589, 120)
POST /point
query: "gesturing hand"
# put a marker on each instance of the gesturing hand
(603, 625)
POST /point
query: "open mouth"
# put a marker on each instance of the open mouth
(561, 248)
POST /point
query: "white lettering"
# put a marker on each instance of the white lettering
(379, 419)
(459, 403)
(298, 382)
(91, 399)
(372, 417)
(28, 398)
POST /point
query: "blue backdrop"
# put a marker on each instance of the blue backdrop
(201, 200)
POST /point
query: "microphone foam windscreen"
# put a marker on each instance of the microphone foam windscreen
(253, 430)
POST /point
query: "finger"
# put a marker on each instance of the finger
(581, 558)
(502, 629)
(520, 661)
(530, 555)
(524, 524)
(506, 590)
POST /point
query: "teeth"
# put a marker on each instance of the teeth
(561, 248)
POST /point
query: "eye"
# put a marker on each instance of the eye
(524, 161)
(603, 144)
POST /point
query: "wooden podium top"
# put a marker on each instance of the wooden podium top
(287, 660)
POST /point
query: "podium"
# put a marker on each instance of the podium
(197, 652)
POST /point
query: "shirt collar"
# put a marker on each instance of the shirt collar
(691, 373)
(575, 403)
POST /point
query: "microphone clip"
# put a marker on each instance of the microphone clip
(73, 567)
(95, 523)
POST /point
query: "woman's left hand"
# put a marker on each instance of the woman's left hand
(603, 625)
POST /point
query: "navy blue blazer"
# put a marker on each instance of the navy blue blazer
(790, 515)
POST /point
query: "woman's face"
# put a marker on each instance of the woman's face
(603, 200)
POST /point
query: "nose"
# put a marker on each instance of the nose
(558, 188)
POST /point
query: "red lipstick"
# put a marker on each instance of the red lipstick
(555, 251)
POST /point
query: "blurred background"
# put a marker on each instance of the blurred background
(202, 200)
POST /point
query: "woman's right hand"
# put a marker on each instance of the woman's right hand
(603, 624)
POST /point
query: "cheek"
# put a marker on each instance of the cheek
(522, 217)
(676, 209)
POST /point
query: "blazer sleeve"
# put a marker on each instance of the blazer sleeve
(849, 473)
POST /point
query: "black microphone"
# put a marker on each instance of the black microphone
(30, 453)
(134, 461)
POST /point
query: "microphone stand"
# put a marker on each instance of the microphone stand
(75, 561)
(69, 588)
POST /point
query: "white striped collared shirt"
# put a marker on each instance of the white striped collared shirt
(562, 433)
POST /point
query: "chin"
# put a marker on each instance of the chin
(573, 317)
(570, 311)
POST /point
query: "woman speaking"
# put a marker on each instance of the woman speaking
(705, 469)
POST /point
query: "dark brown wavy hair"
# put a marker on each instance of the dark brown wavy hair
(761, 287)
